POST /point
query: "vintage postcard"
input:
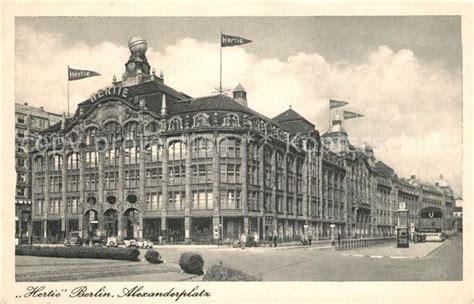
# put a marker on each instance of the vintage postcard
(202, 153)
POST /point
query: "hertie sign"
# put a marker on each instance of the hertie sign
(227, 40)
(74, 74)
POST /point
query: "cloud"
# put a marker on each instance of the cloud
(413, 109)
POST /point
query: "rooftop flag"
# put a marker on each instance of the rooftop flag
(227, 40)
(336, 103)
(349, 115)
(74, 74)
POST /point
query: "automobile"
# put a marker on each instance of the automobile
(130, 243)
(74, 239)
(96, 240)
(116, 241)
(142, 243)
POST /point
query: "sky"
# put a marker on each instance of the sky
(404, 74)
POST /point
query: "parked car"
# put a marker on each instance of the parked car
(74, 239)
(130, 243)
(142, 243)
(116, 241)
(97, 240)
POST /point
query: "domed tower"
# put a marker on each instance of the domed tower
(240, 95)
(137, 65)
(336, 138)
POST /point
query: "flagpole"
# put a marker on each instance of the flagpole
(68, 91)
(220, 67)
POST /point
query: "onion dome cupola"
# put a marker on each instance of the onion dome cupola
(240, 95)
(137, 65)
(336, 138)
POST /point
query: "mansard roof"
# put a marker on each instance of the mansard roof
(294, 122)
(383, 170)
(177, 103)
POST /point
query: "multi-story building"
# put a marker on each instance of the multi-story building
(29, 121)
(141, 159)
(386, 200)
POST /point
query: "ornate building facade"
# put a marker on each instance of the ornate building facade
(142, 160)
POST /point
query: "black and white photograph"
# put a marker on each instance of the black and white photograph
(203, 149)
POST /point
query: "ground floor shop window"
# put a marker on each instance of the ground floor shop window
(201, 229)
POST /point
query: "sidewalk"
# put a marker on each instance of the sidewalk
(415, 251)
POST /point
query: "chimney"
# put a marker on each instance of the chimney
(240, 95)
(413, 176)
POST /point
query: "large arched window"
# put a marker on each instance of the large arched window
(253, 164)
(269, 174)
(201, 120)
(113, 132)
(39, 164)
(202, 164)
(299, 176)
(176, 162)
(131, 130)
(73, 160)
(175, 123)
(132, 155)
(229, 160)
(230, 147)
(290, 173)
(55, 162)
(91, 134)
(280, 170)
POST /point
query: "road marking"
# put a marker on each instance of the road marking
(377, 256)
(358, 255)
(345, 254)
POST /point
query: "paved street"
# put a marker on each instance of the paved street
(307, 264)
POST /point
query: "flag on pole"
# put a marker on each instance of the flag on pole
(336, 103)
(349, 115)
(74, 74)
(227, 40)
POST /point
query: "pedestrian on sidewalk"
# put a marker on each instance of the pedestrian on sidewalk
(243, 240)
(275, 238)
(310, 238)
(339, 239)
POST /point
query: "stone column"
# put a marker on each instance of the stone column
(120, 197)
(216, 220)
(273, 197)
(142, 196)
(285, 187)
(244, 182)
(189, 196)
(304, 189)
(47, 184)
(82, 198)
(326, 194)
(261, 181)
(33, 203)
(63, 205)
(164, 187)
(101, 203)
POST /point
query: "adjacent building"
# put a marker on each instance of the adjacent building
(29, 122)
